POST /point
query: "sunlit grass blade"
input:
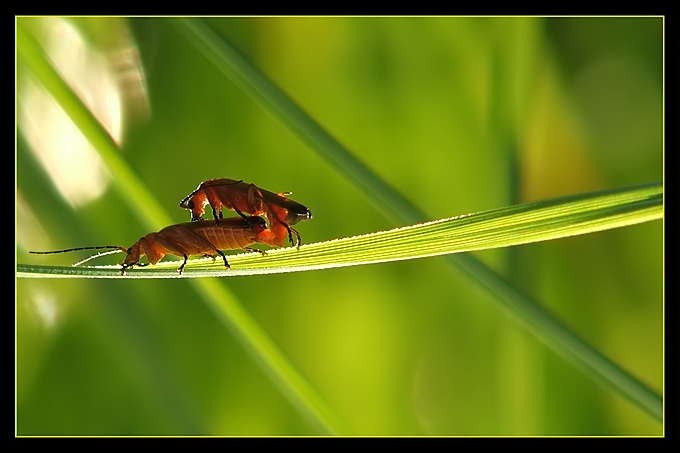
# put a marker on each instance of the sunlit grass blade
(504, 227)
(149, 212)
(521, 308)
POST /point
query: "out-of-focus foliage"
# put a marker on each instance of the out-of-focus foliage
(459, 114)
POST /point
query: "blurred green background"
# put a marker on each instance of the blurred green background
(459, 114)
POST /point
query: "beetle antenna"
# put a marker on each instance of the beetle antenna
(110, 252)
(96, 247)
(110, 249)
(183, 203)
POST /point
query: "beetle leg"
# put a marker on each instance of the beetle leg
(233, 206)
(240, 213)
(181, 268)
(224, 257)
(130, 266)
(250, 249)
(292, 231)
(216, 216)
(125, 266)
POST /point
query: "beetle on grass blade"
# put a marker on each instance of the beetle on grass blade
(185, 239)
(242, 197)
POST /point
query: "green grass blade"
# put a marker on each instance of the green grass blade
(132, 189)
(395, 206)
(504, 227)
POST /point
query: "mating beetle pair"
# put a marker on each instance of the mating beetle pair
(202, 237)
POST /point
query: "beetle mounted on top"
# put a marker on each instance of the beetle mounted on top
(245, 198)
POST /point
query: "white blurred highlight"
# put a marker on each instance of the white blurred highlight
(98, 78)
(75, 169)
(45, 305)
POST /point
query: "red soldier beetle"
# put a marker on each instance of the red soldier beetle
(184, 239)
(242, 197)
